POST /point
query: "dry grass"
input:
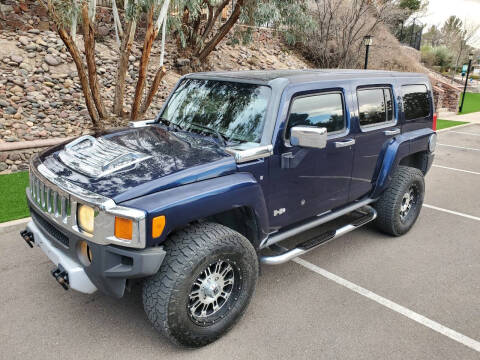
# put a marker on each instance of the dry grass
(387, 53)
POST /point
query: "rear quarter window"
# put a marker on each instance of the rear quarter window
(416, 101)
(375, 106)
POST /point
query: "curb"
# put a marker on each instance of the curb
(11, 225)
(455, 127)
(22, 145)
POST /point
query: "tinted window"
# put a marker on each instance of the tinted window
(416, 102)
(325, 110)
(235, 110)
(376, 106)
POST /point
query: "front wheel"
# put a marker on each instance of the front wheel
(399, 206)
(203, 286)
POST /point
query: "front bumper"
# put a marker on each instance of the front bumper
(110, 267)
(77, 277)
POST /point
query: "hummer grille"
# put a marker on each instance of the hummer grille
(50, 200)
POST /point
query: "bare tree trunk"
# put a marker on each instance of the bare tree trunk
(212, 18)
(153, 89)
(77, 58)
(125, 49)
(222, 32)
(150, 36)
(89, 40)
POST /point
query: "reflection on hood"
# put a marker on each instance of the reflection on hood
(165, 159)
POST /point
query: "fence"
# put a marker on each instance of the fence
(105, 3)
(411, 34)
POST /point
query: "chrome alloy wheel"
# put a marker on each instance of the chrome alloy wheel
(409, 201)
(211, 290)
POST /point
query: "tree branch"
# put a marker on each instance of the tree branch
(222, 32)
(150, 36)
(77, 58)
(125, 49)
(89, 41)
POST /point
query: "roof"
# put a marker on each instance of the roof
(295, 76)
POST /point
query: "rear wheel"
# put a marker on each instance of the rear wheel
(203, 286)
(399, 206)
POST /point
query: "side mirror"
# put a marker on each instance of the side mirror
(308, 136)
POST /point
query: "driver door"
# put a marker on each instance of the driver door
(306, 181)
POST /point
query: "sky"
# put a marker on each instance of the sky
(467, 10)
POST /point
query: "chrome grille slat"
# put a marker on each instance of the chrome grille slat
(37, 191)
(42, 195)
(55, 203)
(49, 200)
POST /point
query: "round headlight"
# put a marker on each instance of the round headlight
(85, 218)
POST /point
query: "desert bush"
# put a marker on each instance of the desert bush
(335, 39)
(427, 55)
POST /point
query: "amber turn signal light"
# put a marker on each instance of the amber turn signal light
(158, 224)
(123, 228)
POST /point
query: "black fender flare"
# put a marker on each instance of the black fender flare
(395, 150)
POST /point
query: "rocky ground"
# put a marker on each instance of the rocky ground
(40, 95)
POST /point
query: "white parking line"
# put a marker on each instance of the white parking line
(465, 133)
(459, 147)
(471, 217)
(455, 169)
(435, 326)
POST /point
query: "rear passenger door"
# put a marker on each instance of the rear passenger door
(377, 124)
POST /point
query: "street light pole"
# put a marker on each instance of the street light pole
(367, 40)
(470, 58)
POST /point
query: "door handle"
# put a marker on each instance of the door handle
(392, 132)
(341, 144)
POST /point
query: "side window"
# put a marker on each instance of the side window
(375, 105)
(322, 110)
(416, 102)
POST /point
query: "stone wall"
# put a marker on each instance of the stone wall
(446, 96)
(16, 160)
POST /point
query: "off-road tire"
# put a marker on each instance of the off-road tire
(189, 252)
(389, 219)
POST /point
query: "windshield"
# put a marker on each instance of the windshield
(236, 111)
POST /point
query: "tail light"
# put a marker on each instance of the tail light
(434, 125)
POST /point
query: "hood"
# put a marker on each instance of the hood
(133, 162)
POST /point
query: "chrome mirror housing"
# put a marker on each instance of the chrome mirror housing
(308, 136)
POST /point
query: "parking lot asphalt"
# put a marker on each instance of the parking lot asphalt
(433, 272)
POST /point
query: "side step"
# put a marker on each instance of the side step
(369, 215)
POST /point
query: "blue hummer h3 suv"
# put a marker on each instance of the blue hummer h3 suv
(235, 163)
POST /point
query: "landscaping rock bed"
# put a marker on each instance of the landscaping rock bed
(40, 95)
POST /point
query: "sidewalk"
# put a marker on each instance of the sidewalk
(473, 118)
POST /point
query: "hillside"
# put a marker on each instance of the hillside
(39, 92)
(40, 95)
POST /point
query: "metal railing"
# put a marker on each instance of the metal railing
(410, 33)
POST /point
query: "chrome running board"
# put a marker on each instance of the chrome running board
(321, 219)
(369, 214)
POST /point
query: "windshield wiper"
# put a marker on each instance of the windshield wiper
(223, 139)
(170, 124)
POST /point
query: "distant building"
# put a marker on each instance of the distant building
(476, 68)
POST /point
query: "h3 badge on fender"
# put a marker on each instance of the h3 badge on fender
(279, 212)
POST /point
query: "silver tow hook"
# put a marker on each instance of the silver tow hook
(61, 276)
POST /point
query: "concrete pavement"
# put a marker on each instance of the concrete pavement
(295, 313)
